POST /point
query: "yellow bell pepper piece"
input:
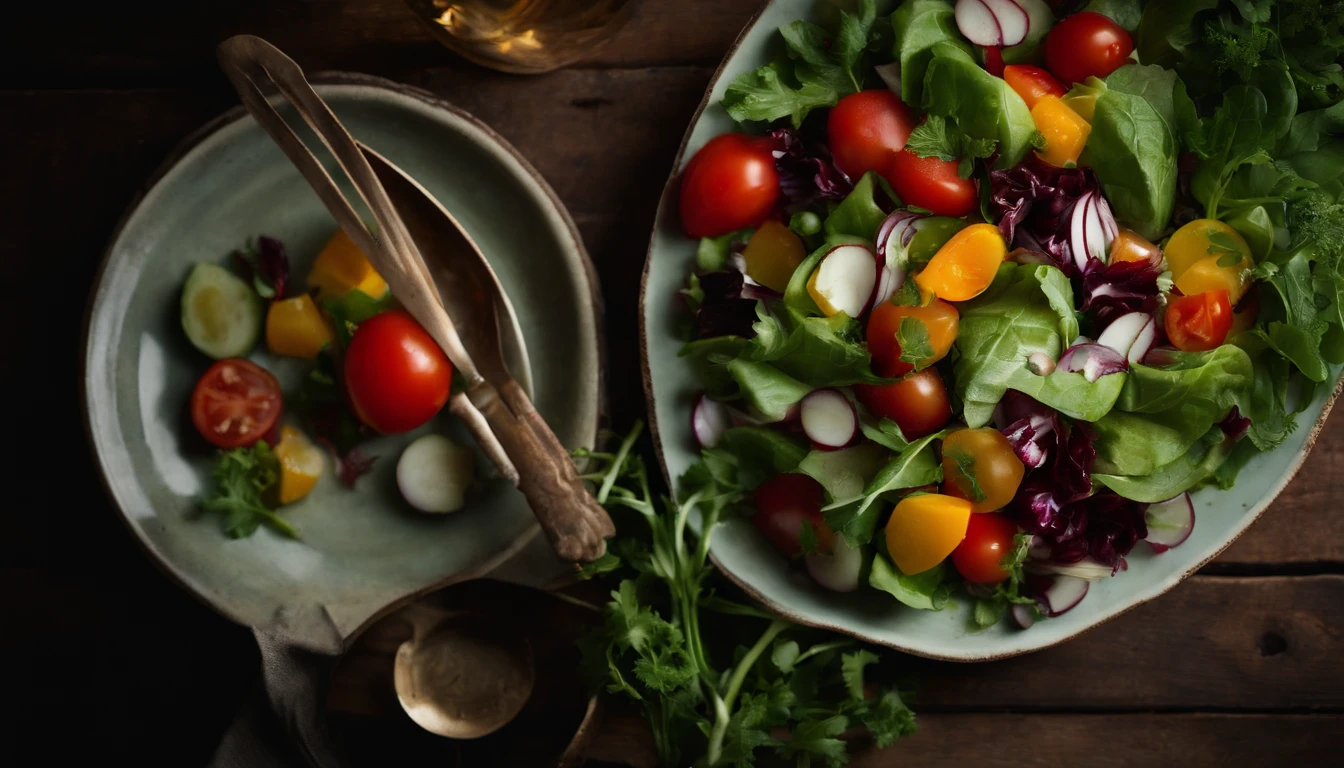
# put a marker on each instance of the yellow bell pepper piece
(772, 254)
(300, 465)
(341, 267)
(296, 327)
(1065, 131)
(923, 530)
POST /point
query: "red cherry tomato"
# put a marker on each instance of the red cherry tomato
(866, 129)
(1199, 323)
(783, 504)
(931, 183)
(940, 321)
(1032, 83)
(395, 374)
(918, 403)
(989, 539)
(730, 184)
(235, 403)
(1084, 45)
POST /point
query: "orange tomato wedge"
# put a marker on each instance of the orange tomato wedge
(1131, 246)
(924, 529)
(341, 267)
(300, 465)
(965, 266)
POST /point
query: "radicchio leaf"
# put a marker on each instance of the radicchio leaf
(1118, 288)
(266, 266)
(806, 172)
(1235, 425)
(728, 307)
(1034, 204)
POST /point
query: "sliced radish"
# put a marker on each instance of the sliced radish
(846, 279)
(839, 570)
(1170, 522)
(978, 23)
(709, 420)
(1093, 360)
(1012, 18)
(829, 419)
(1024, 615)
(1092, 227)
(1087, 569)
(434, 473)
(1131, 335)
(891, 76)
(1063, 594)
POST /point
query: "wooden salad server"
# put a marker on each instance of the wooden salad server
(575, 523)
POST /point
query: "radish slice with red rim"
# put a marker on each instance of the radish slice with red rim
(837, 570)
(1024, 615)
(829, 419)
(978, 23)
(709, 420)
(1012, 18)
(847, 278)
(1131, 335)
(1170, 522)
(1062, 594)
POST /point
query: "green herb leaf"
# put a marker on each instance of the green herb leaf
(912, 335)
(851, 670)
(353, 308)
(242, 476)
(965, 477)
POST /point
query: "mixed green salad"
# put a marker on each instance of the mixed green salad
(985, 289)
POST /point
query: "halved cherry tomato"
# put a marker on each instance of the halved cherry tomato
(989, 539)
(730, 184)
(1031, 83)
(772, 254)
(396, 375)
(931, 183)
(1208, 255)
(235, 403)
(1199, 323)
(1131, 246)
(940, 322)
(865, 129)
(783, 504)
(979, 465)
(1065, 131)
(1084, 45)
(918, 403)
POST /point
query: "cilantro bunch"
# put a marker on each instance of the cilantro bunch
(720, 682)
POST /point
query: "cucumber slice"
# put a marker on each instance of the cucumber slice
(220, 313)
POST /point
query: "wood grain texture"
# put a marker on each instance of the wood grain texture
(172, 44)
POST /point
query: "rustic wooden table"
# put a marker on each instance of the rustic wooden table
(1241, 665)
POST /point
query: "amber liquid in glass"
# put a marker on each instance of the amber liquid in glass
(524, 36)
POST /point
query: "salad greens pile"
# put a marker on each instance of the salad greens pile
(787, 689)
(1230, 114)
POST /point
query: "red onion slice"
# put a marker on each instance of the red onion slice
(1131, 335)
(1093, 361)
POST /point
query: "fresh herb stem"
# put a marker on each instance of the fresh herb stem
(618, 463)
(723, 706)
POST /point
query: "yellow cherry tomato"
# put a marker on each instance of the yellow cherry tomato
(772, 254)
(965, 266)
(1208, 255)
(1131, 246)
(979, 465)
(924, 529)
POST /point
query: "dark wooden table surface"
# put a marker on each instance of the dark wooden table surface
(102, 655)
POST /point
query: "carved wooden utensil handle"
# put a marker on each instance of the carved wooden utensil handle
(575, 523)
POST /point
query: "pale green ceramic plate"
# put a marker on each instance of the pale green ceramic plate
(746, 557)
(362, 550)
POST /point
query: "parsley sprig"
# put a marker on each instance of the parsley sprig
(658, 648)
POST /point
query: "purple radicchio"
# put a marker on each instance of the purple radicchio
(729, 304)
(806, 172)
(1056, 500)
(1116, 289)
(1235, 425)
(266, 265)
(1034, 204)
